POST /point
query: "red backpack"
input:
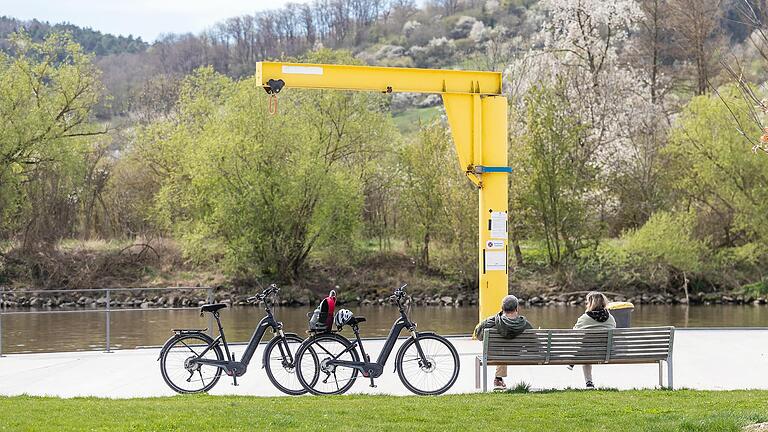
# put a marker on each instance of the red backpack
(322, 318)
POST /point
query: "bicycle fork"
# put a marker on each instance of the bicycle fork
(422, 356)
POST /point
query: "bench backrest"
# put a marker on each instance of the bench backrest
(561, 346)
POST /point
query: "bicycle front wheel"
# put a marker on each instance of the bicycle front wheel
(178, 366)
(313, 368)
(280, 364)
(428, 364)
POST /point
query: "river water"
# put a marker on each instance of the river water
(23, 332)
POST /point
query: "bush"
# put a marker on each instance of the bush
(667, 240)
(756, 289)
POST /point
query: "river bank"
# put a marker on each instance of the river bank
(368, 280)
(181, 297)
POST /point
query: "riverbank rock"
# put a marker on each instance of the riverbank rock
(303, 298)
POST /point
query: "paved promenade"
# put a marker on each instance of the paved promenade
(703, 359)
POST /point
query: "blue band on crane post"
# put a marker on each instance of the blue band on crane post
(481, 169)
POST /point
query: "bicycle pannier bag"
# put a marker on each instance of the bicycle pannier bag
(322, 318)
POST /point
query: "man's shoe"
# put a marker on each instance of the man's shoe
(498, 384)
(590, 386)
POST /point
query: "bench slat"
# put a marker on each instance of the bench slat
(565, 346)
(641, 346)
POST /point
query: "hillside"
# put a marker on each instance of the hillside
(93, 41)
(630, 129)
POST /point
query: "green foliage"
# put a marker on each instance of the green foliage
(756, 288)
(436, 201)
(47, 92)
(521, 387)
(92, 41)
(715, 170)
(553, 179)
(409, 121)
(273, 188)
(667, 240)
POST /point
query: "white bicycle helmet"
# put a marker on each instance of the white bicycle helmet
(343, 316)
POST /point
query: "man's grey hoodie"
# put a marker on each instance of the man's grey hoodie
(507, 327)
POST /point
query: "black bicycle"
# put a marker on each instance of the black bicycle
(192, 362)
(328, 363)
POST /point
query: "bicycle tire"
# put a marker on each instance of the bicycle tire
(314, 343)
(400, 360)
(167, 351)
(276, 343)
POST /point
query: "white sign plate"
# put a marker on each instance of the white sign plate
(499, 225)
(495, 261)
(303, 70)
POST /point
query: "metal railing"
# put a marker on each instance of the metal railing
(107, 309)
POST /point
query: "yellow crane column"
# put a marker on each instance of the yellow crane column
(477, 113)
(479, 127)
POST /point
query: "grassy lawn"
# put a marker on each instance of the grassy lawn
(556, 411)
(408, 120)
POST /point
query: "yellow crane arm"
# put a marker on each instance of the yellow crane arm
(477, 114)
(382, 79)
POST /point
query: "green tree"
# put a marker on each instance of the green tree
(553, 178)
(712, 172)
(47, 93)
(422, 201)
(272, 188)
(437, 203)
(666, 245)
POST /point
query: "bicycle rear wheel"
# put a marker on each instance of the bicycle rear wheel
(433, 373)
(313, 370)
(280, 364)
(180, 371)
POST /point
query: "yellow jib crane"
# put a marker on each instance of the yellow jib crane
(477, 114)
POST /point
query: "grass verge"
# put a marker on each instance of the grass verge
(554, 411)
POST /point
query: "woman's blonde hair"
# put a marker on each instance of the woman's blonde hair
(596, 300)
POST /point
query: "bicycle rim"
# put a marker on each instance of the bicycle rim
(181, 374)
(435, 375)
(316, 375)
(280, 364)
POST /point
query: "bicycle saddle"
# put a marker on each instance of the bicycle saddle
(357, 320)
(212, 307)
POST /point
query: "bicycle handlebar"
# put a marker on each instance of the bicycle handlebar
(272, 289)
(399, 294)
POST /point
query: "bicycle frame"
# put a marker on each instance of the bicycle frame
(238, 368)
(376, 369)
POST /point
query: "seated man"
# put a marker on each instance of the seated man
(509, 323)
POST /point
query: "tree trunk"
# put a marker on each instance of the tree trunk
(516, 249)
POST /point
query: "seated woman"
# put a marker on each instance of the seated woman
(596, 317)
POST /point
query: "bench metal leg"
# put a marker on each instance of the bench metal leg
(669, 373)
(661, 374)
(485, 375)
(477, 372)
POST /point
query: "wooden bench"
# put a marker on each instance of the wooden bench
(577, 347)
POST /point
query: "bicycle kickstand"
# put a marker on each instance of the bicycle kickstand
(372, 384)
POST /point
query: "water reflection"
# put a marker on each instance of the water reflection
(85, 331)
